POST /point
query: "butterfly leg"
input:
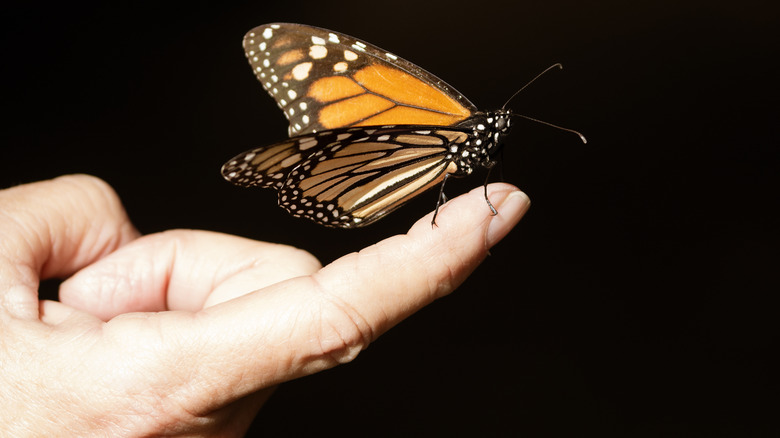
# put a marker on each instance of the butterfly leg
(487, 178)
(441, 199)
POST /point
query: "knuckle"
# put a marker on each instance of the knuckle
(300, 261)
(91, 185)
(342, 332)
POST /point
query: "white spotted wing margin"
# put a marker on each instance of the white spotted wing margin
(349, 178)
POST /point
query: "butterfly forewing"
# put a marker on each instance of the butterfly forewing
(326, 80)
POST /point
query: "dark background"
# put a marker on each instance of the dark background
(636, 298)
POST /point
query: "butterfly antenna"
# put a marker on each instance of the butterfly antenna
(532, 81)
(582, 137)
(559, 66)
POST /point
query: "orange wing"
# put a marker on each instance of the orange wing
(326, 80)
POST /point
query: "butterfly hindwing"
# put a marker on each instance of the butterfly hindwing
(354, 176)
(266, 166)
(367, 173)
(269, 166)
(326, 80)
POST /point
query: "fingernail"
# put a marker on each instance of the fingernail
(510, 211)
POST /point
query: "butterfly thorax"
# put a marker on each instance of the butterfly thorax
(488, 129)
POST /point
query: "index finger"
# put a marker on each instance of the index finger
(310, 323)
(52, 229)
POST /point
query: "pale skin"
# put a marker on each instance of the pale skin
(186, 333)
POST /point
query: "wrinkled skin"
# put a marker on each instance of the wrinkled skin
(186, 333)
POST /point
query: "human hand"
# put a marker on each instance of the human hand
(187, 332)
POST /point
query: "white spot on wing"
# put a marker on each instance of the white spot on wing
(268, 33)
(349, 55)
(317, 40)
(301, 71)
(318, 52)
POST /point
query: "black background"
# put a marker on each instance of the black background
(634, 299)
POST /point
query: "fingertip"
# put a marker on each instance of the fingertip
(471, 212)
(510, 210)
(103, 199)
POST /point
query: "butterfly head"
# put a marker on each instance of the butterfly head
(499, 123)
(502, 121)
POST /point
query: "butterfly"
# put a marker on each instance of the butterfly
(368, 130)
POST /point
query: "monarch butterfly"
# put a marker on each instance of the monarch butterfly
(368, 130)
